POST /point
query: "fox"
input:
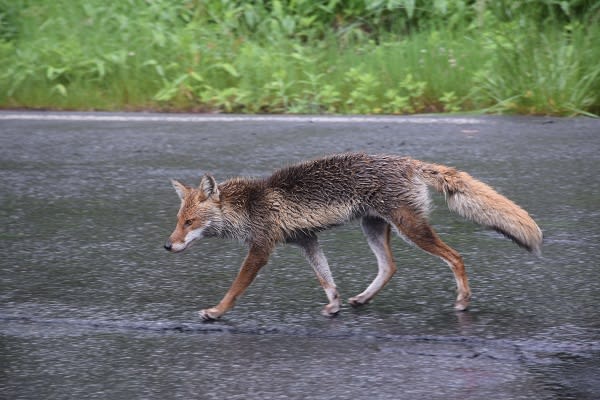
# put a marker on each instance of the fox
(295, 203)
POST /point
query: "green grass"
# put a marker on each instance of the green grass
(534, 57)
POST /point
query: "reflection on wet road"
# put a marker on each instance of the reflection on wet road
(91, 306)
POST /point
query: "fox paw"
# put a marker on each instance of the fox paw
(461, 305)
(330, 310)
(210, 314)
(357, 301)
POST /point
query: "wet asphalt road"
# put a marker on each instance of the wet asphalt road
(91, 306)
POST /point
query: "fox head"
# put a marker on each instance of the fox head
(199, 215)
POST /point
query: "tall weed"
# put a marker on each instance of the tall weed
(549, 72)
(301, 56)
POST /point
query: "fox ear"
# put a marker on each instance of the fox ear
(180, 188)
(209, 186)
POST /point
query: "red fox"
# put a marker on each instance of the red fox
(296, 202)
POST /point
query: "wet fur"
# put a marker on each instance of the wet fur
(298, 201)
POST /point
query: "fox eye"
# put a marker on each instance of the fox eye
(188, 222)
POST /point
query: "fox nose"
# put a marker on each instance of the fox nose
(168, 245)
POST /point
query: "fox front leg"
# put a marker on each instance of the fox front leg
(257, 257)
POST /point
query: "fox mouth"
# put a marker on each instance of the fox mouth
(176, 247)
(189, 239)
(172, 248)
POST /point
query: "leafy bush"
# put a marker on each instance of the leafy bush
(302, 56)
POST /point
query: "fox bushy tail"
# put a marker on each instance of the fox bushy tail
(478, 202)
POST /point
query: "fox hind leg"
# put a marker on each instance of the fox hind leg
(377, 232)
(314, 254)
(414, 228)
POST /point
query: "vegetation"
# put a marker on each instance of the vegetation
(302, 56)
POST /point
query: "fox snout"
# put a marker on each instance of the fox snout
(174, 247)
(175, 243)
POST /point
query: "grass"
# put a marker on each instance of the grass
(228, 56)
